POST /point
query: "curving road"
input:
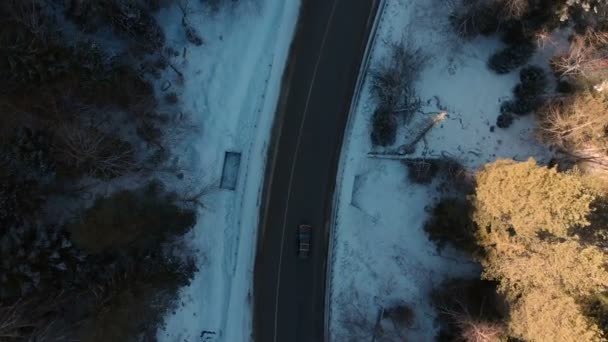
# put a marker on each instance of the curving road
(317, 88)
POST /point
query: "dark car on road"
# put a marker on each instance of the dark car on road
(304, 237)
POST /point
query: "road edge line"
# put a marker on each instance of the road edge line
(361, 77)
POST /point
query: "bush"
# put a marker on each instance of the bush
(566, 87)
(451, 222)
(533, 80)
(401, 315)
(511, 57)
(422, 170)
(131, 220)
(514, 32)
(393, 81)
(521, 105)
(384, 127)
(171, 98)
(504, 120)
(528, 93)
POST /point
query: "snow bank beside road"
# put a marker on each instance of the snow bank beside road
(382, 256)
(231, 86)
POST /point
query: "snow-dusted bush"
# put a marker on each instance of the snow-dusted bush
(422, 170)
(384, 127)
(504, 120)
(528, 94)
(393, 81)
(511, 57)
(522, 105)
(533, 80)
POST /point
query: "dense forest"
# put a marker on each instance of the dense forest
(89, 221)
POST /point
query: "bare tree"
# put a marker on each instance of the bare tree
(473, 329)
(393, 81)
(586, 56)
(93, 152)
(31, 321)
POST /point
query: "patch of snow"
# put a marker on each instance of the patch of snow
(230, 88)
(381, 255)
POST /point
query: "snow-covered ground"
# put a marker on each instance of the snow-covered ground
(381, 255)
(230, 88)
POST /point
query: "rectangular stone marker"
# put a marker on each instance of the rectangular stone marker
(230, 171)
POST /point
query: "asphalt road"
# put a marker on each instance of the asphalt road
(317, 88)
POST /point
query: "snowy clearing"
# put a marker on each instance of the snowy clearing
(381, 255)
(230, 88)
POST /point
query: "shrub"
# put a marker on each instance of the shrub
(522, 105)
(384, 127)
(504, 120)
(131, 220)
(511, 57)
(528, 93)
(422, 170)
(451, 222)
(514, 32)
(171, 98)
(400, 314)
(533, 80)
(393, 81)
(566, 87)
